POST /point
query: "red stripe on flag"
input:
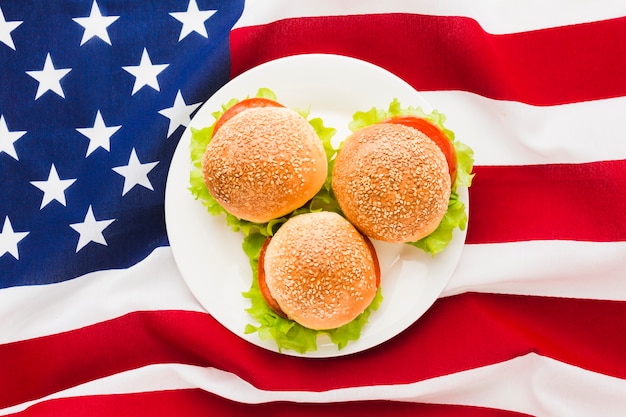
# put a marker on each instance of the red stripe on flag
(543, 67)
(190, 403)
(489, 328)
(585, 202)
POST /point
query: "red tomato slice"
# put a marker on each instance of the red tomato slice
(434, 133)
(372, 249)
(244, 104)
(265, 291)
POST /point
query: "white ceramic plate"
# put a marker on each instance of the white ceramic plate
(209, 254)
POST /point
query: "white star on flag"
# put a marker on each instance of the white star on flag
(90, 230)
(179, 114)
(95, 24)
(9, 239)
(49, 78)
(53, 188)
(5, 30)
(193, 20)
(145, 73)
(135, 173)
(99, 135)
(8, 139)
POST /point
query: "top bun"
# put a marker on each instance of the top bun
(320, 270)
(264, 163)
(392, 182)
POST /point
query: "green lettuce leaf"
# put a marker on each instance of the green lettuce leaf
(456, 216)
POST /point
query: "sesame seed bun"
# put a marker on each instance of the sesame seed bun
(320, 270)
(264, 163)
(392, 182)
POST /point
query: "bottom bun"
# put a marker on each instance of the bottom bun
(320, 270)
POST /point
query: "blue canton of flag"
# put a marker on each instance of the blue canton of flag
(91, 110)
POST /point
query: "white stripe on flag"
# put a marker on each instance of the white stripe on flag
(152, 284)
(532, 384)
(495, 16)
(512, 133)
(559, 268)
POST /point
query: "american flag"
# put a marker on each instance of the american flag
(95, 318)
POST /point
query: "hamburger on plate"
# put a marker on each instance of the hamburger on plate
(318, 270)
(263, 162)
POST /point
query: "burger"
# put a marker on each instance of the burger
(396, 177)
(263, 161)
(392, 182)
(318, 271)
